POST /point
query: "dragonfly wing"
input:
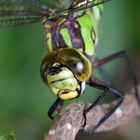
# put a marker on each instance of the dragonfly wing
(17, 12)
(78, 5)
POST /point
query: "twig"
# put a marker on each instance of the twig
(70, 119)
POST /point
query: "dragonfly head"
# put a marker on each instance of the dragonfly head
(65, 71)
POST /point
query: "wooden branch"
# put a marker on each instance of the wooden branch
(70, 119)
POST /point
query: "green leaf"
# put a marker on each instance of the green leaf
(8, 136)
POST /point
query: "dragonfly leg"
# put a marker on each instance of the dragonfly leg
(103, 73)
(106, 88)
(125, 58)
(54, 107)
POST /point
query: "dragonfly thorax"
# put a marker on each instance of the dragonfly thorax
(65, 71)
(70, 32)
(63, 33)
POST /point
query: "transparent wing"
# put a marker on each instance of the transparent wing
(17, 12)
(78, 5)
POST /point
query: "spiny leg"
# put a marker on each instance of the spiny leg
(103, 73)
(125, 57)
(54, 107)
(106, 88)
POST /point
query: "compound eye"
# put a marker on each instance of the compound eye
(46, 65)
(77, 62)
(78, 67)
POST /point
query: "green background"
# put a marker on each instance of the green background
(24, 99)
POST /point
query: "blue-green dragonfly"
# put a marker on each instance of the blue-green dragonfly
(71, 34)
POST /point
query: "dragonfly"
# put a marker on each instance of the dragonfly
(71, 34)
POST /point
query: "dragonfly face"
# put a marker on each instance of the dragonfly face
(65, 71)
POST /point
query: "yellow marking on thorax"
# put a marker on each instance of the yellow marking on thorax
(66, 37)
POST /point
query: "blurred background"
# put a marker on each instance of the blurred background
(25, 100)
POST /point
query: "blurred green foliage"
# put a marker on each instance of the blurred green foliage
(24, 99)
(8, 136)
